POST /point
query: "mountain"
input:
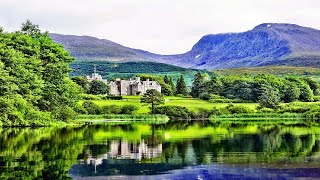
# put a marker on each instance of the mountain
(266, 44)
(91, 48)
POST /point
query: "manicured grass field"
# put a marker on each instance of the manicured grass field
(190, 103)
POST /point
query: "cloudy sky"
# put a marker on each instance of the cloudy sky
(159, 26)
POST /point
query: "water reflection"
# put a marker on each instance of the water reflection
(175, 150)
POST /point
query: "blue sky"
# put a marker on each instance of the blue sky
(159, 26)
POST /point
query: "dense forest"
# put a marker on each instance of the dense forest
(34, 84)
(268, 90)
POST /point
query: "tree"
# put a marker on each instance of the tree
(306, 94)
(166, 79)
(82, 82)
(269, 98)
(29, 28)
(98, 87)
(198, 85)
(166, 88)
(291, 92)
(214, 85)
(182, 87)
(34, 73)
(173, 86)
(152, 97)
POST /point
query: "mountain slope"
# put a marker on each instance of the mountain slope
(266, 44)
(91, 48)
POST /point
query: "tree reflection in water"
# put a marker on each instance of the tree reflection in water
(58, 153)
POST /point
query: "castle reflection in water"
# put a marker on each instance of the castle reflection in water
(122, 149)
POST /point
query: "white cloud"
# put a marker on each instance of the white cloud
(161, 26)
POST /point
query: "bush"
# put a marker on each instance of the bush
(266, 110)
(221, 101)
(173, 112)
(205, 96)
(238, 109)
(90, 97)
(201, 114)
(291, 108)
(80, 109)
(64, 113)
(115, 97)
(316, 98)
(128, 109)
(91, 107)
(112, 109)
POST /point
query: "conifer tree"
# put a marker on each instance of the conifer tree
(182, 87)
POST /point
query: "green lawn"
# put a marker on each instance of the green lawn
(190, 103)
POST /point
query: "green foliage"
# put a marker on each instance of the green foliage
(173, 112)
(128, 109)
(115, 97)
(181, 87)
(198, 85)
(291, 92)
(237, 109)
(34, 73)
(64, 113)
(82, 82)
(306, 93)
(205, 96)
(268, 90)
(152, 97)
(112, 109)
(269, 98)
(98, 87)
(91, 107)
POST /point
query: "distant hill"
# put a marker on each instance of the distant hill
(267, 44)
(82, 68)
(273, 70)
(112, 70)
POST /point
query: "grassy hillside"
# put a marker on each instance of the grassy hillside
(274, 70)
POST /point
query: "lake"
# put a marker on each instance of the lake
(175, 150)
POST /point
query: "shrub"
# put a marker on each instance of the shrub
(128, 109)
(91, 107)
(90, 97)
(80, 109)
(173, 112)
(220, 100)
(111, 109)
(64, 113)
(266, 110)
(201, 114)
(205, 96)
(115, 97)
(292, 108)
(238, 109)
(316, 98)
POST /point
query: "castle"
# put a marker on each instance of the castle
(132, 86)
(127, 87)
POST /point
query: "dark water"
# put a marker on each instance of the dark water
(176, 150)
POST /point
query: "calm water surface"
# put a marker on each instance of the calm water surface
(176, 150)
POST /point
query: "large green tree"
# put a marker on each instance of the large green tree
(34, 77)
